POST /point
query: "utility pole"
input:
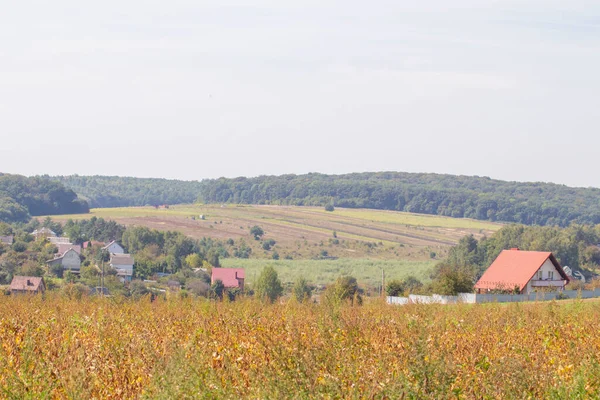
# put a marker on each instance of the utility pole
(382, 281)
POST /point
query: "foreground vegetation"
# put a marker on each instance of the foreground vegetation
(55, 347)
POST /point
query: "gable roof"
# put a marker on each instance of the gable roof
(515, 268)
(59, 256)
(27, 283)
(110, 244)
(64, 247)
(229, 276)
(121, 259)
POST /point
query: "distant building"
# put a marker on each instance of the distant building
(114, 248)
(69, 260)
(27, 284)
(63, 247)
(43, 233)
(231, 277)
(58, 239)
(7, 240)
(522, 272)
(123, 264)
(91, 243)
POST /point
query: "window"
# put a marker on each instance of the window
(540, 277)
(550, 275)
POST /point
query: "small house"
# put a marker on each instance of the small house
(7, 240)
(523, 272)
(27, 284)
(114, 248)
(123, 264)
(69, 260)
(231, 277)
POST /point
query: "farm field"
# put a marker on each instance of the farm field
(56, 347)
(366, 271)
(304, 232)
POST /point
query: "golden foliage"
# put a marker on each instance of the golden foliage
(54, 347)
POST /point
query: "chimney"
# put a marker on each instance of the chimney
(515, 249)
(29, 283)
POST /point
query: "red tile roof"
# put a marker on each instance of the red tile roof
(514, 268)
(229, 276)
(27, 283)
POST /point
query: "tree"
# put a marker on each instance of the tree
(217, 289)
(329, 207)
(449, 280)
(269, 286)
(345, 288)
(302, 291)
(257, 232)
(394, 288)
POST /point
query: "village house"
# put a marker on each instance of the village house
(114, 248)
(43, 233)
(123, 264)
(523, 272)
(63, 247)
(27, 284)
(231, 277)
(7, 240)
(69, 260)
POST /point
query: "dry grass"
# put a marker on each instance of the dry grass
(117, 349)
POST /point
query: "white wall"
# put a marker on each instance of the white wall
(116, 248)
(71, 260)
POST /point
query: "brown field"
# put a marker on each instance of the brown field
(303, 232)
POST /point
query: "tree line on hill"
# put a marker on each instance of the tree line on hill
(22, 197)
(448, 195)
(115, 191)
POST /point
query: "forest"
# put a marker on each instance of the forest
(115, 191)
(22, 197)
(449, 195)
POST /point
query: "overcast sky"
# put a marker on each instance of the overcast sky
(194, 89)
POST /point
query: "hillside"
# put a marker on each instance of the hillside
(22, 197)
(435, 194)
(115, 191)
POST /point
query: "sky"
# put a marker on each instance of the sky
(194, 89)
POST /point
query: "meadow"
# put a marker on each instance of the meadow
(366, 271)
(60, 348)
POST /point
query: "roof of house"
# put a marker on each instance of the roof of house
(43, 231)
(92, 243)
(60, 256)
(108, 245)
(26, 283)
(515, 268)
(64, 247)
(121, 259)
(6, 239)
(229, 276)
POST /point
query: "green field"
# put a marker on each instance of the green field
(366, 271)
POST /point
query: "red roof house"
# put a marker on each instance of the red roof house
(64, 247)
(231, 277)
(27, 284)
(522, 271)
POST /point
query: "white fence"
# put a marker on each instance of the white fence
(472, 298)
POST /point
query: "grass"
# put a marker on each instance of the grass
(366, 271)
(60, 348)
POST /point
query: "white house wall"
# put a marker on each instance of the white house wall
(115, 248)
(71, 260)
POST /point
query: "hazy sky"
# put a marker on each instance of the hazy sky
(194, 89)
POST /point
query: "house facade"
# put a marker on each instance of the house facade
(123, 264)
(114, 248)
(27, 284)
(70, 261)
(523, 272)
(231, 277)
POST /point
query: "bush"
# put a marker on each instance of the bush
(394, 288)
(268, 286)
(329, 207)
(302, 291)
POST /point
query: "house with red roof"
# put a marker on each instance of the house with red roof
(523, 272)
(231, 277)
